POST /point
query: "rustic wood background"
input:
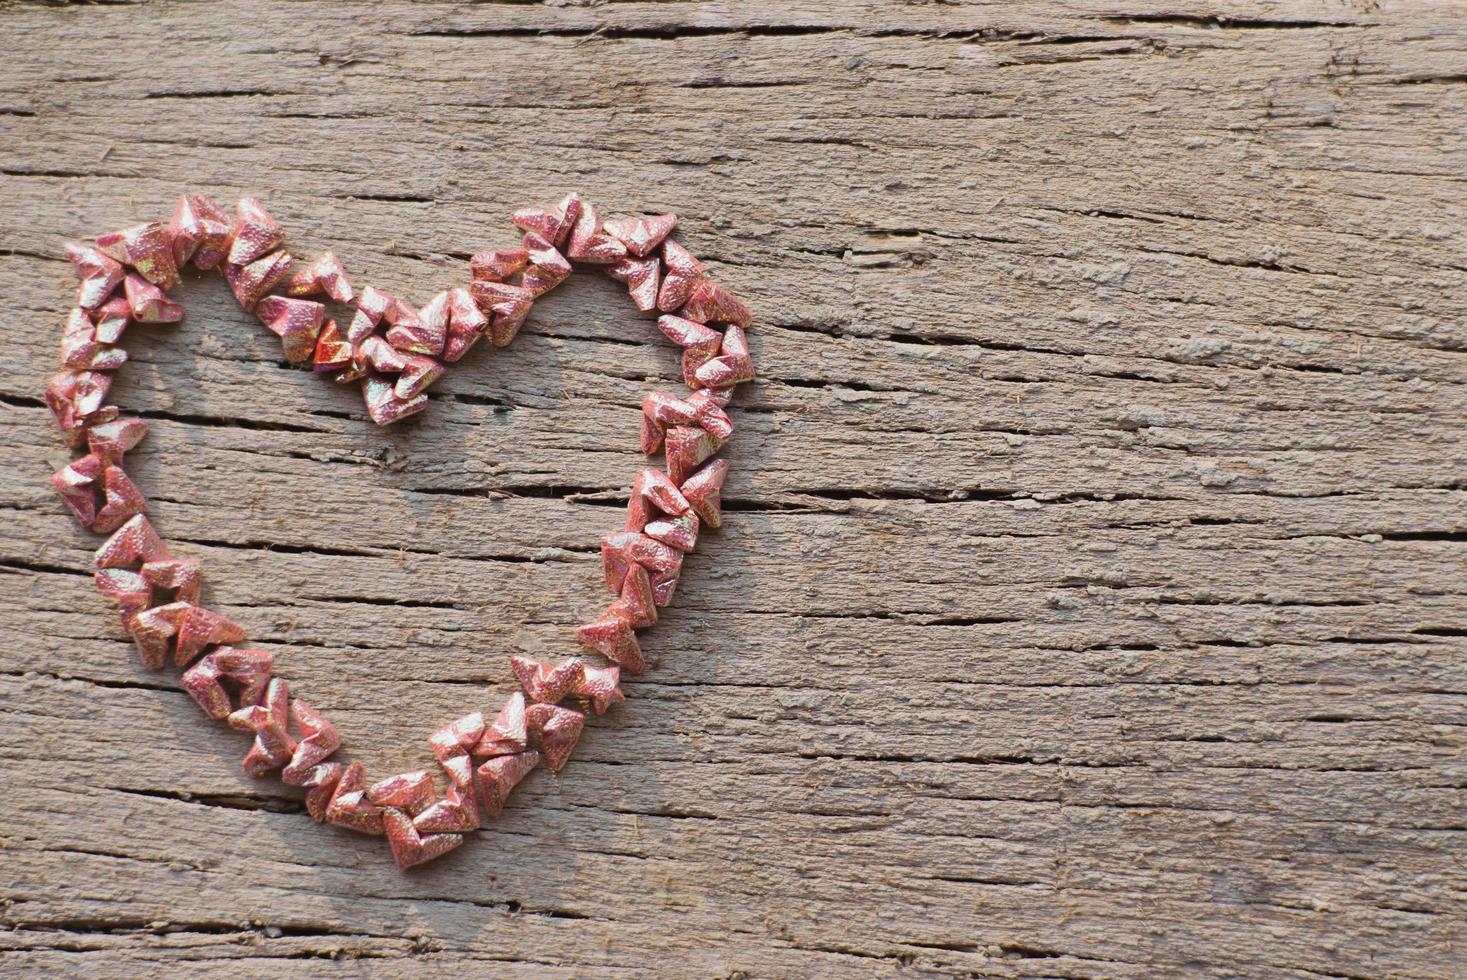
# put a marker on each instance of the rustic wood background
(1092, 602)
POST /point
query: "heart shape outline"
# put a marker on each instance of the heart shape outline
(396, 352)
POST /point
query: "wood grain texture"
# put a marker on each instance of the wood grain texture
(1092, 602)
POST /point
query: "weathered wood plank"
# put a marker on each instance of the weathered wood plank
(1093, 594)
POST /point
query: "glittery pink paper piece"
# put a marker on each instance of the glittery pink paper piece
(75, 400)
(664, 584)
(270, 723)
(248, 672)
(681, 274)
(601, 687)
(384, 406)
(76, 483)
(466, 324)
(507, 734)
(635, 606)
(418, 374)
(689, 333)
(134, 542)
(498, 776)
(704, 492)
(98, 273)
(653, 491)
(297, 322)
(459, 769)
(128, 589)
(732, 366)
(589, 243)
(642, 276)
(621, 549)
(349, 806)
(320, 785)
(332, 351)
(666, 409)
(457, 812)
(200, 231)
(319, 740)
(710, 302)
(686, 448)
(547, 268)
(613, 638)
(508, 306)
(199, 628)
(680, 532)
(323, 275)
(146, 248)
(554, 731)
(411, 792)
(182, 577)
(121, 501)
(409, 848)
(154, 630)
(256, 233)
(708, 413)
(147, 302)
(111, 319)
(700, 344)
(425, 331)
(250, 283)
(641, 235)
(374, 308)
(458, 737)
(552, 224)
(110, 440)
(377, 354)
(544, 683)
(83, 350)
(498, 265)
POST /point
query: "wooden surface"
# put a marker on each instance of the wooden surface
(1092, 599)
